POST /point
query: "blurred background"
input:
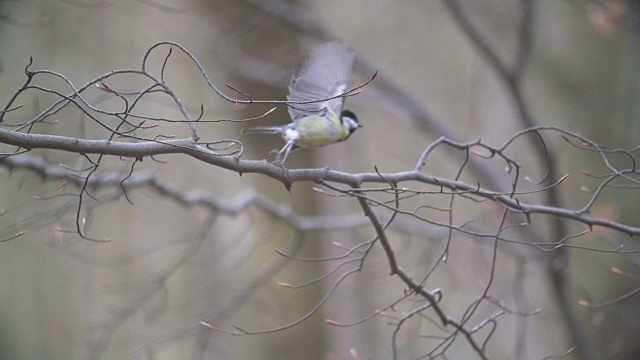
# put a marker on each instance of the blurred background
(175, 276)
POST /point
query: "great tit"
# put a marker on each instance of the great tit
(325, 75)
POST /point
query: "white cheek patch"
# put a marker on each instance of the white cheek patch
(291, 135)
(350, 123)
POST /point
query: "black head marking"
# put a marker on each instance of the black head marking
(350, 120)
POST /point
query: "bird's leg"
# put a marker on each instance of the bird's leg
(284, 153)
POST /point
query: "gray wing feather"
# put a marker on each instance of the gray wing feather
(326, 73)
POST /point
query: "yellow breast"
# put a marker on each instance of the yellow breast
(319, 130)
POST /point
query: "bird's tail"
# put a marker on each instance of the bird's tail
(264, 129)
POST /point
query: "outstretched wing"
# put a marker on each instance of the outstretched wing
(326, 74)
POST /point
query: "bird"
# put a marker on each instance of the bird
(316, 101)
